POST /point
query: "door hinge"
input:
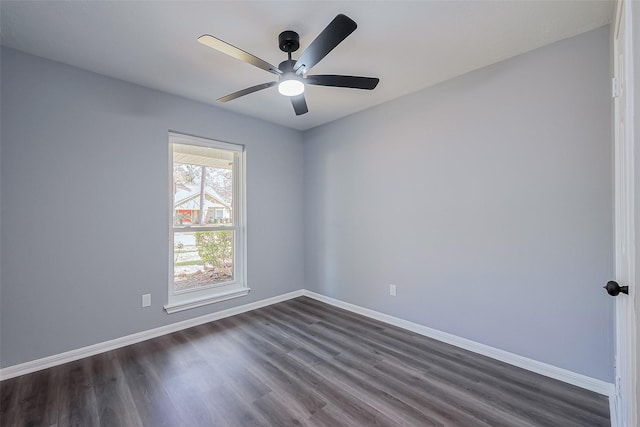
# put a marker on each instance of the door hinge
(615, 88)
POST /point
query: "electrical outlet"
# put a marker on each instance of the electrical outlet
(146, 300)
(392, 290)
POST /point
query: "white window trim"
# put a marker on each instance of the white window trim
(179, 301)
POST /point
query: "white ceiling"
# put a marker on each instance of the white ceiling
(408, 45)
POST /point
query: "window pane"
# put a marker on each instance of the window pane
(202, 258)
(202, 186)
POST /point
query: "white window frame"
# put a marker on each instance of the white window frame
(183, 300)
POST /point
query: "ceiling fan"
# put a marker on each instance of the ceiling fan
(292, 73)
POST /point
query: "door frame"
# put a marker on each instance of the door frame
(625, 399)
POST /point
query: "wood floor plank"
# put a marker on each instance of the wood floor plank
(336, 353)
(450, 401)
(225, 369)
(153, 405)
(39, 398)
(452, 376)
(274, 409)
(296, 363)
(357, 408)
(448, 364)
(387, 408)
(233, 410)
(512, 384)
(270, 358)
(115, 404)
(77, 402)
(9, 403)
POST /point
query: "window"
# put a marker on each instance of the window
(207, 230)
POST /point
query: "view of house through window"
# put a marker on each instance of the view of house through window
(204, 221)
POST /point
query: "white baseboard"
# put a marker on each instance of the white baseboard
(70, 356)
(564, 375)
(595, 385)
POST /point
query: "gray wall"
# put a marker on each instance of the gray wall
(486, 199)
(84, 205)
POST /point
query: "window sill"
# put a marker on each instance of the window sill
(209, 299)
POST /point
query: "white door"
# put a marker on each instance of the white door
(626, 364)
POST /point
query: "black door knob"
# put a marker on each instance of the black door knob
(614, 289)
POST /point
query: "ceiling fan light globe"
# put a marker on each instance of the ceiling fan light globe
(291, 87)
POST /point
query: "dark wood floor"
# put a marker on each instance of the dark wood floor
(300, 362)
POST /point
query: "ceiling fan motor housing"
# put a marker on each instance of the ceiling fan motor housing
(289, 41)
(290, 84)
(287, 66)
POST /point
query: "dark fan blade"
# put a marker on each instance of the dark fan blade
(330, 37)
(354, 82)
(237, 53)
(299, 104)
(246, 91)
